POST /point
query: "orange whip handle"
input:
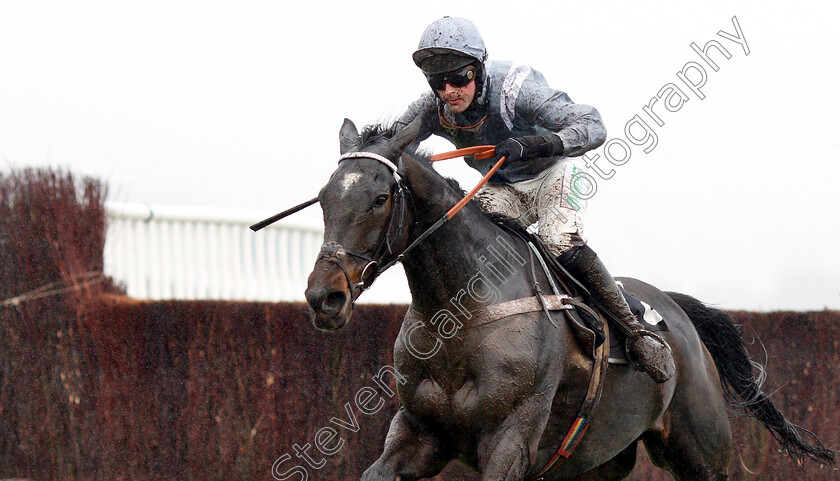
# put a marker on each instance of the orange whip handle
(480, 152)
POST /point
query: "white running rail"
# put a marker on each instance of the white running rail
(175, 252)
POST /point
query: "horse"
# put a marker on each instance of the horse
(497, 395)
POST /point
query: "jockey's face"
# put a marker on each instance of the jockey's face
(457, 98)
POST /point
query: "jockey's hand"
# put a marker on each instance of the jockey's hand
(518, 149)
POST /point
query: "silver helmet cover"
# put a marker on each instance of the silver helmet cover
(451, 36)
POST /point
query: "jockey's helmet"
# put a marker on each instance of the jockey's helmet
(449, 44)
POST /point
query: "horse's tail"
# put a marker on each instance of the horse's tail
(722, 338)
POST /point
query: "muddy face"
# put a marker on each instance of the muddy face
(356, 204)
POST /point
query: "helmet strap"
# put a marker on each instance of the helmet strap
(480, 83)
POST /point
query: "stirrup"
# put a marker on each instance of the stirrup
(649, 353)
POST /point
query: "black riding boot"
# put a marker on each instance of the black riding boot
(647, 351)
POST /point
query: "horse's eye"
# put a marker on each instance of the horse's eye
(380, 201)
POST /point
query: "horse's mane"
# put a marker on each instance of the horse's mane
(382, 132)
(377, 133)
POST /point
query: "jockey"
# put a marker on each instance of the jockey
(474, 101)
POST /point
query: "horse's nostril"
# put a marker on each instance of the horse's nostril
(334, 301)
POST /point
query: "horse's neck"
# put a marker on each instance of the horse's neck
(468, 263)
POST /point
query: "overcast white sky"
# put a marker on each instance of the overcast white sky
(238, 104)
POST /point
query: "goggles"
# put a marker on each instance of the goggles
(457, 79)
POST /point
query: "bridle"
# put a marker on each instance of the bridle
(334, 252)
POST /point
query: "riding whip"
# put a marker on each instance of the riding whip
(263, 223)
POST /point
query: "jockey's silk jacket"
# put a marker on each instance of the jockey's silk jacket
(517, 101)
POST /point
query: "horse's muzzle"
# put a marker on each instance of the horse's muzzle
(329, 299)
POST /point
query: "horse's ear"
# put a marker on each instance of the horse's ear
(407, 135)
(348, 136)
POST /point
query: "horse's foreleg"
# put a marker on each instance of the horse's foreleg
(507, 452)
(410, 453)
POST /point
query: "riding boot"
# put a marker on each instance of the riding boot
(647, 351)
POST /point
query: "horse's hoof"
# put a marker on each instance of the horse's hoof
(651, 354)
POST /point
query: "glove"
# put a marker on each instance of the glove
(520, 149)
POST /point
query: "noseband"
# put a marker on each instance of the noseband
(336, 253)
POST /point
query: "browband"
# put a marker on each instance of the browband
(371, 155)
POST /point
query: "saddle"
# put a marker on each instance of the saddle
(586, 318)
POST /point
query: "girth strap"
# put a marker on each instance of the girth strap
(596, 377)
(587, 409)
(518, 306)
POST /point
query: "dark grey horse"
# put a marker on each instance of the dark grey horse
(500, 396)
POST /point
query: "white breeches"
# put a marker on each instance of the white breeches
(547, 203)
